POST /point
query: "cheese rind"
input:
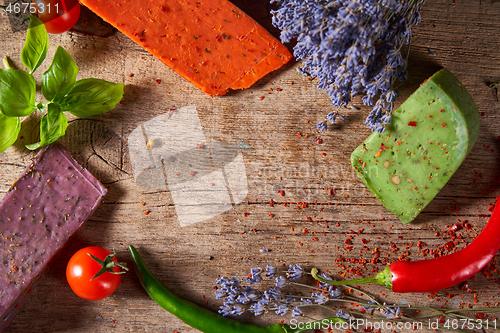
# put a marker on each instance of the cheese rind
(214, 45)
(52, 198)
(430, 135)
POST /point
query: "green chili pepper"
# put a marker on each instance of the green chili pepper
(203, 319)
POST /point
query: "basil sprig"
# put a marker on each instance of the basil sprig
(64, 93)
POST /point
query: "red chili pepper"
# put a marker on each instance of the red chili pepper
(438, 273)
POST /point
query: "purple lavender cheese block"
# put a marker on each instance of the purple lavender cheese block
(51, 199)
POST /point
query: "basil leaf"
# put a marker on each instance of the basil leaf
(52, 126)
(17, 92)
(60, 76)
(36, 44)
(9, 130)
(89, 97)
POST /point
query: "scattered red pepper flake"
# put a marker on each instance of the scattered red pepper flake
(467, 288)
(480, 315)
(158, 81)
(412, 123)
(449, 246)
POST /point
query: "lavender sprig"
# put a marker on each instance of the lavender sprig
(352, 47)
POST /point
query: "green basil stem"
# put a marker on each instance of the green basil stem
(41, 106)
(6, 63)
(203, 319)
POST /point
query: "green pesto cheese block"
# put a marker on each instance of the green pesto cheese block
(430, 135)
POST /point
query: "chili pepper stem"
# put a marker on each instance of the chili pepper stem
(383, 278)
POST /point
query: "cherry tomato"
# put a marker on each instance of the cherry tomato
(82, 268)
(58, 16)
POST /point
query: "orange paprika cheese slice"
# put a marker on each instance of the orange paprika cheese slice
(212, 44)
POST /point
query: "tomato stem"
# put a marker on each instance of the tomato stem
(108, 264)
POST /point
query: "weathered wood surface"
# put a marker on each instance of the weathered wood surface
(463, 36)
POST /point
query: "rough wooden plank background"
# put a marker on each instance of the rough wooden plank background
(460, 35)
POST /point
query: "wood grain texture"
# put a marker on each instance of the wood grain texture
(268, 117)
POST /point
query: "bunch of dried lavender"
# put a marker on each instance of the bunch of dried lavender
(352, 47)
(238, 298)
